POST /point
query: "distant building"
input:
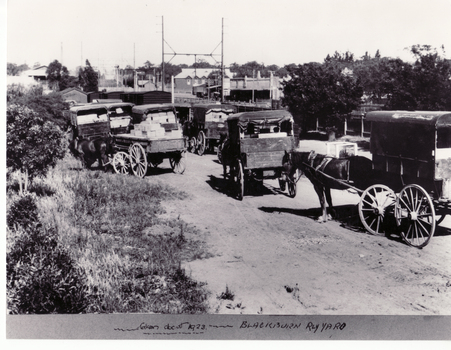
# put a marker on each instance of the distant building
(201, 80)
(244, 88)
(74, 94)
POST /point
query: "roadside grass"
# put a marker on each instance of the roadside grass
(111, 226)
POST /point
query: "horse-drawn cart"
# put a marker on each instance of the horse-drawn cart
(408, 178)
(156, 135)
(412, 164)
(255, 148)
(208, 122)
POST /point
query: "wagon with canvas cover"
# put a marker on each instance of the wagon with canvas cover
(411, 154)
(207, 126)
(255, 148)
(156, 135)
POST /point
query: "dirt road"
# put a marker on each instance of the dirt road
(276, 259)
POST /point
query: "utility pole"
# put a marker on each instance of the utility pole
(222, 62)
(162, 54)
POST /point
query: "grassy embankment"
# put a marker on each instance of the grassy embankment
(111, 252)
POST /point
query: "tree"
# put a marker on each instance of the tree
(14, 69)
(50, 107)
(320, 91)
(88, 78)
(33, 144)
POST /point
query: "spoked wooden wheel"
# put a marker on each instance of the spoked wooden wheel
(121, 163)
(138, 160)
(373, 206)
(200, 143)
(219, 152)
(238, 179)
(292, 189)
(415, 215)
(192, 143)
(178, 163)
(282, 184)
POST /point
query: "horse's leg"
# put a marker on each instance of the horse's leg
(320, 192)
(329, 201)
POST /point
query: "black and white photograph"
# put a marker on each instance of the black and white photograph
(227, 170)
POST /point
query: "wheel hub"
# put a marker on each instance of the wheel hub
(413, 215)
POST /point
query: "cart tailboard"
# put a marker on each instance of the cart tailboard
(265, 153)
(214, 129)
(94, 129)
(262, 160)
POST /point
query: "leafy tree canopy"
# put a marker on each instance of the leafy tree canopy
(58, 77)
(88, 78)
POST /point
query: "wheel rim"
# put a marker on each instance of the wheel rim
(192, 144)
(292, 189)
(239, 180)
(178, 163)
(219, 153)
(121, 163)
(415, 216)
(373, 206)
(201, 143)
(138, 160)
(282, 184)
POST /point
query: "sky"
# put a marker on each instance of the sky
(119, 32)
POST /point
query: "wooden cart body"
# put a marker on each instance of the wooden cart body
(412, 148)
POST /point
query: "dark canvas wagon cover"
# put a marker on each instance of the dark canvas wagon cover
(414, 145)
(272, 117)
(90, 121)
(138, 112)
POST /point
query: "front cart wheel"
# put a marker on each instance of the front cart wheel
(121, 163)
(201, 143)
(238, 178)
(178, 163)
(373, 206)
(415, 215)
(138, 160)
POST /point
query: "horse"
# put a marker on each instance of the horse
(88, 151)
(355, 170)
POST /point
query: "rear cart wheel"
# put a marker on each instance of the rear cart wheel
(138, 160)
(201, 143)
(373, 206)
(415, 215)
(121, 163)
(178, 163)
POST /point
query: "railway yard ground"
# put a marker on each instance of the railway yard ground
(272, 257)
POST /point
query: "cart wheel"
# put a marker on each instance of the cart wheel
(373, 206)
(200, 143)
(415, 215)
(282, 184)
(192, 143)
(219, 152)
(292, 189)
(238, 178)
(178, 163)
(121, 163)
(138, 160)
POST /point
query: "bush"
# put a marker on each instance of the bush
(23, 212)
(42, 277)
